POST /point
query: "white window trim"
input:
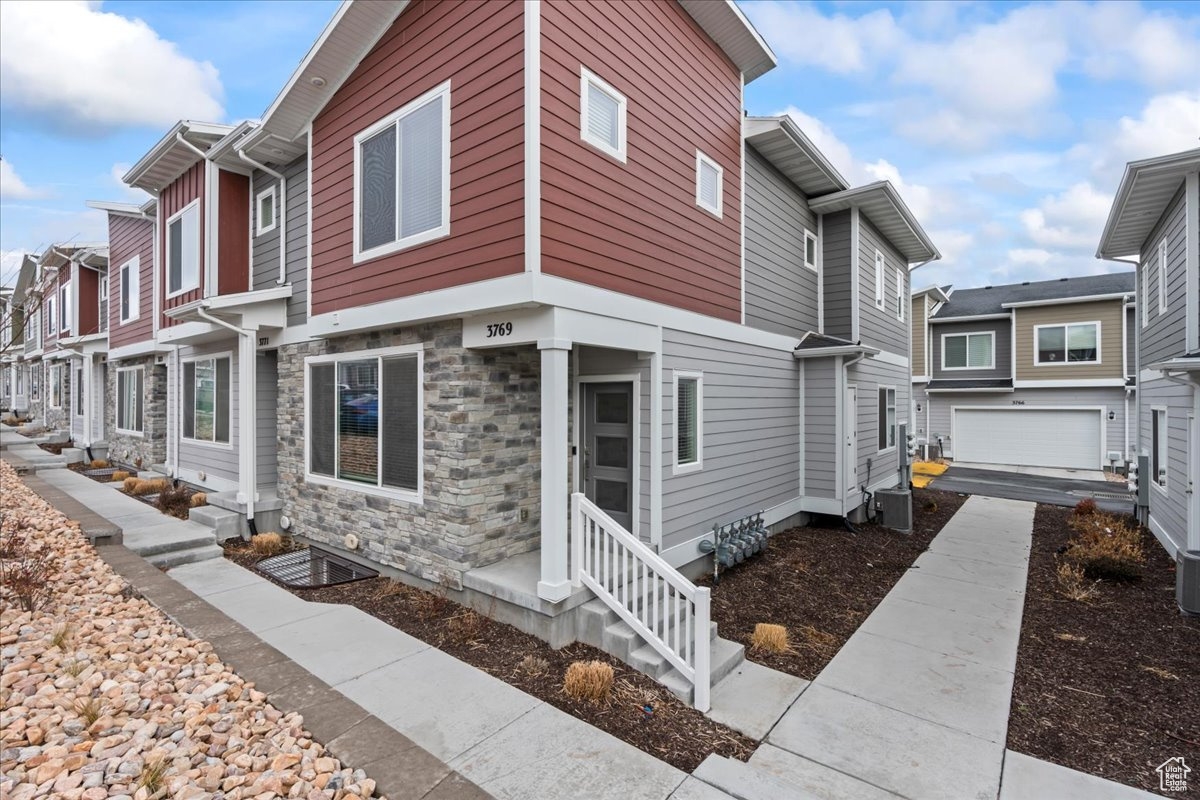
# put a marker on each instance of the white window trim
(698, 464)
(1164, 489)
(991, 358)
(901, 295)
(389, 492)
(442, 230)
(810, 236)
(259, 230)
(117, 404)
(184, 288)
(77, 387)
(880, 290)
(883, 420)
(1064, 325)
(1162, 277)
(56, 384)
(232, 377)
(65, 323)
(701, 160)
(133, 266)
(586, 76)
(51, 304)
(1144, 297)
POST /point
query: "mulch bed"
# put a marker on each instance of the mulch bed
(673, 732)
(822, 582)
(1110, 686)
(55, 447)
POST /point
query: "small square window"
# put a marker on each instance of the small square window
(709, 180)
(265, 211)
(810, 250)
(601, 115)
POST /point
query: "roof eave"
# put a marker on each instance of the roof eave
(1133, 170)
(854, 198)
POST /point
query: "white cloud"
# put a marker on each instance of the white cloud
(952, 244)
(127, 192)
(10, 266)
(1030, 255)
(11, 185)
(73, 66)
(1072, 220)
(840, 44)
(1156, 49)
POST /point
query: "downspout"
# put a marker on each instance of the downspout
(247, 472)
(282, 279)
(846, 364)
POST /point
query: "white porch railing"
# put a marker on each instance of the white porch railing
(665, 608)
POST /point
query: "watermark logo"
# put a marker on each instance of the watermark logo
(1172, 775)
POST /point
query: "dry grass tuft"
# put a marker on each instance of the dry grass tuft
(589, 680)
(464, 627)
(1106, 546)
(121, 476)
(769, 638)
(389, 587)
(1070, 637)
(1073, 583)
(99, 463)
(1160, 672)
(62, 637)
(430, 605)
(199, 499)
(74, 668)
(267, 544)
(533, 665)
(817, 639)
(91, 709)
(153, 772)
(151, 486)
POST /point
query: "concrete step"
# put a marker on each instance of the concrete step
(225, 524)
(169, 536)
(177, 558)
(724, 658)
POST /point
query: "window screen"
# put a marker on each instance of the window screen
(175, 255)
(221, 422)
(400, 420)
(189, 400)
(687, 417)
(183, 251)
(322, 409)
(1051, 344)
(358, 421)
(266, 211)
(1158, 446)
(1081, 343)
(378, 184)
(206, 400)
(879, 291)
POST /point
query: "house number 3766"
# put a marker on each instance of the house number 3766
(499, 329)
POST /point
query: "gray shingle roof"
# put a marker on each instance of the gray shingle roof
(991, 299)
(814, 341)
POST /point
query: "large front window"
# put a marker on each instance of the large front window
(1068, 344)
(968, 350)
(130, 405)
(365, 418)
(402, 177)
(183, 250)
(206, 399)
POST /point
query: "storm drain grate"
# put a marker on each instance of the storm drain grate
(312, 568)
(1104, 495)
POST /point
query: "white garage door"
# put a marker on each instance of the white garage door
(1031, 437)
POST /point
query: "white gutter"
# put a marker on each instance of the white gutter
(282, 211)
(190, 146)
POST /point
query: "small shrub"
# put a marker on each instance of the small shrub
(589, 680)
(90, 710)
(430, 605)
(121, 476)
(199, 499)
(533, 666)
(27, 578)
(930, 506)
(1106, 546)
(1085, 507)
(465, 627)
(1073, 583)
(770, 638)
(153, 772)
(267, 544)
(151, 486)
(174, 502)
(12, 540)
(99, 463)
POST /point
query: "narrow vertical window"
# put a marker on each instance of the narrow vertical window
(130, 302)
(183, 250)
(810, 250)
(709, 180)
(887, 418)
(1162, 277)
(64, 307)
(601, 115)
(1158, 446)
(51, 317)
(879, 290)
(102, 310)
(130, 403)
(689, 421)
(900, 294)
(264, 213)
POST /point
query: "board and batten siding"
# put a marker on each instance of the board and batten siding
(264, 261)
(86, 298)
(868, 375)
(479, 47)
(1165, 336)
(635, 227)
(751, 423)
(219, 461)
(820, 427)
(181, 191)
(879, 327)
(233, 232)
(265, 404)
(129, 237)
(1002, 363)
(918, 307)
(1108, 312)
(838, 277)
(781, 292)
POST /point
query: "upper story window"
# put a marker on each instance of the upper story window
(265, 212)
(969, 350)
(1162, 277)
(810, 250)
(64, 307)
(402, 177)
(206, 399)
(887, 418)
(900, 294)
(1078, 343)
(709, 181)
(183, 250)
(102, 303)
(879, 290)
(129, 277)
(601, 115)
(1143, 298)
(689, 421)
(51, 315)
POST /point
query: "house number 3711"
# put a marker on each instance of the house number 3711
(499, 329)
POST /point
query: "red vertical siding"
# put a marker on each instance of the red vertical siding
(635, 227)
(233, 233)
(183, 190)
(129, 237)
(479, 48)
(87, 299)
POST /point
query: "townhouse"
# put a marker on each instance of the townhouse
(1036, 373)
(23, 337)
(1155, 223)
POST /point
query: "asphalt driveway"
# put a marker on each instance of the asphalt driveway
(1001, 482)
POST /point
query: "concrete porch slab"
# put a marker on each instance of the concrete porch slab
(548, 753)
(990, 642)
(1028, 778)
(752, 698)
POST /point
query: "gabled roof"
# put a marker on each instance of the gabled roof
(883, 205)
(56, 255)
(1143, 195)
(939, 293)
(171, 156)
(120, 209)
(780, 141)
(25, 277)
(724, 22)
(818, 345)
(999, 299)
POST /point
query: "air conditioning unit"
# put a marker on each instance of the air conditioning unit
(895, 509)
(1187, 580)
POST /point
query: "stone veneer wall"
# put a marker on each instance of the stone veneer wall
(482, 459)
(58, 419)
(151, 447)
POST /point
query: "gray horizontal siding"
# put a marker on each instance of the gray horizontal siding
(214, 460)
(781, 292)
(266, 402)
(1164, 337)
(869, 375)
(1168, 510)
(880, 327)
(265, 248)
(835, 231)
(820, 427)
(751, 433)
(1001, 329)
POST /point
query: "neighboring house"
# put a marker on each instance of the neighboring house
(24, 332)
(7, 312)
(1034, 374)
(1155, 223)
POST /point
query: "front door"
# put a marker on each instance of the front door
(608, 449)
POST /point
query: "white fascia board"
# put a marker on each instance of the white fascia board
(1181, 161)
(825, 352)
(976, 390)
(1092, 298)
(1082, 383)
(136, 350)
(970, 318)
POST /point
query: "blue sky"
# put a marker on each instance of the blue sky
(1005, 125)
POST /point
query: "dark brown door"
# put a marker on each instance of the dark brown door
(608, 446)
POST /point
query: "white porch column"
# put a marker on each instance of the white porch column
(555, 583)
(247, 427)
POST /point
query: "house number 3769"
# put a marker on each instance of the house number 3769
(499, 329)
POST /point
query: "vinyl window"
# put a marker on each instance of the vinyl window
(1158, 447)
(64, 307)
(51, 316)
(57, 376)
(1162, 277)
(968, 350)
(183, 250)
(365, 421)
(130, 297)
(810, 250)
(77, 377)
(102, 304)
(601, 115)
(879, 290)
(402, 177)
(206, 399)
(1077, 343)
(1143, 298)
(265, 211)
(887, 418)
(130, 402)
(709, 182)
(901, 295)
(689, 421)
